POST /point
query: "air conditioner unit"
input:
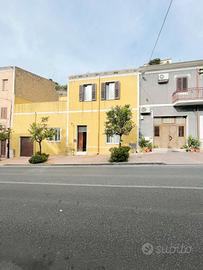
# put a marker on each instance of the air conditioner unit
(145, 110)
(163, 78)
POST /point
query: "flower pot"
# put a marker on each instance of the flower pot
(196, 149)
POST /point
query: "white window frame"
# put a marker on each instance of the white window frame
(57, 135)
(108, 96)
(89, 88)
(115, 139)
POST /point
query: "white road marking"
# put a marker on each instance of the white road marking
(99, 185)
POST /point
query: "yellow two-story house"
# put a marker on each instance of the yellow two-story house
(90, 96)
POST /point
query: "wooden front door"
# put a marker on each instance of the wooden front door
(3, 149)
(82, 138)
(26, 147)
(173, 136)
(169, 132)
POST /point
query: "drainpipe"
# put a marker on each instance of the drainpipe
(9, 134)
(98, 135)
(139, 86)
(197, 107)
(35, 124)
(197, 121)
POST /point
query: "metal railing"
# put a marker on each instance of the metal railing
(189, 94)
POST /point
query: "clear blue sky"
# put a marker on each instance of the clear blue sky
(58, 38)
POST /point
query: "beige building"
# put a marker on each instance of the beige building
(19, 86)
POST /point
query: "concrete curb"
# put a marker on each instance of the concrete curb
(102, 164)
(86, 164)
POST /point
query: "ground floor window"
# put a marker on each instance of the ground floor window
(156, 131)
(115, 139)
(57, 136)
(181, 131)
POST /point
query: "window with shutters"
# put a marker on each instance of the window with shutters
(182, 84)
(110, 91)
(112, 139)
(3, 113)
(5, 85)
(87, 92)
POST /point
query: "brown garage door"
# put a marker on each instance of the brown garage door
(26, 147)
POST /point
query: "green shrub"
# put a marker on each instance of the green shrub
(155, 61)
(119, 154)
(38, 158)
(192, 143)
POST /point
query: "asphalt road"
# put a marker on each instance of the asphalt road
(101, 218)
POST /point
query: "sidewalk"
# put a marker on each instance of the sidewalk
(140, 158)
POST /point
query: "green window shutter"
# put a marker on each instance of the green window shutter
(94, 92)
(103, 91)
(81, 93)
(117, 90)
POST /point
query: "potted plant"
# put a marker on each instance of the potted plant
(192, 145)
(145, 145)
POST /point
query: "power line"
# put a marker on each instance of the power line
(171, 1)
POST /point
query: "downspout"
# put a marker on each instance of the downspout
(11, 110)
(197, 119)
(138, 110)
(197, 107)
(98, 135)
(67, 115)
(35, 124)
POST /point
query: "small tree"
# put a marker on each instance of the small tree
(119, 122)
(40, 132)
(4, 133)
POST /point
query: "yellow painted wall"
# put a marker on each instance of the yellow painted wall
(19, 100)
(26, 114)
(93, 113)
(32, 87)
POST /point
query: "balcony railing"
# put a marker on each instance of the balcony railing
(189, 96)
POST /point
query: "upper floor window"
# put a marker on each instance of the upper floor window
(87, 92)
(57, 136)
(3, 113)
(110, 90)
(5, 85)
(182, 84)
